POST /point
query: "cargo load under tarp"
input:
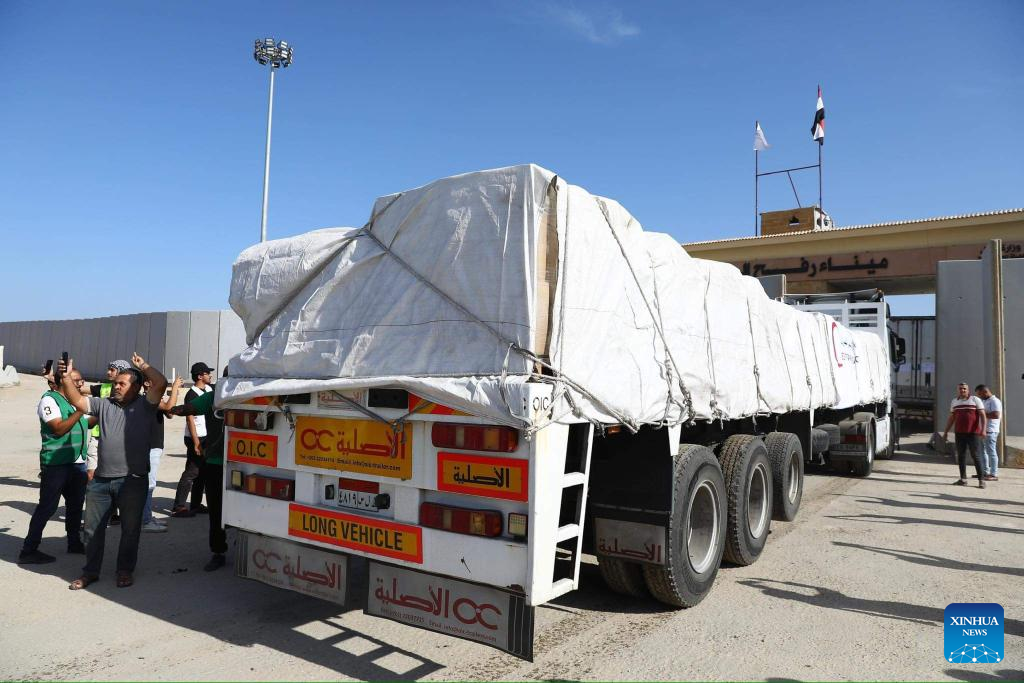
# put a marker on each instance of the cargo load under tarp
(463, 290)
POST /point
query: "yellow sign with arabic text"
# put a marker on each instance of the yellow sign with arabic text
(483, 475)
(365, 446)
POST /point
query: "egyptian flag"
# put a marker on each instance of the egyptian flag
(818, 129)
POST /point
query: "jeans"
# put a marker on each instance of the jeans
(129, 495)
(990, 459)
(190, 480)
(214, 479)
(965, 442)
(154, 466)
(58, 480)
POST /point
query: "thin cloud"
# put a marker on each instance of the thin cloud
(600, 26)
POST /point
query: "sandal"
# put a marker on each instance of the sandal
(82, 582)
(124, 579)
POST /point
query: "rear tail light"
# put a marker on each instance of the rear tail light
(268, 487)
(474, 437)
(854, 438)
(461, 520)
(249, 419)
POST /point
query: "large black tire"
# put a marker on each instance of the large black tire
(787, 458)
(748, 485)
(862, 467)
(696, 532)
(622, 576)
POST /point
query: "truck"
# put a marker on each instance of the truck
(914, 380)
(857, 435)
(500, 373)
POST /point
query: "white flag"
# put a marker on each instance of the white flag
(760, 144)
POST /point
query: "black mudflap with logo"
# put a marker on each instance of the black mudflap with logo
(484, 614)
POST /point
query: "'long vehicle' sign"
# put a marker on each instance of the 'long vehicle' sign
(374, 536)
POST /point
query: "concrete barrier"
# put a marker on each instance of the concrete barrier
(168, 339)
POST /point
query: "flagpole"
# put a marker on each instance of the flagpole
(755, 192)
(820, 207)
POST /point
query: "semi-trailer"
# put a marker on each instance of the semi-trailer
(500, 372)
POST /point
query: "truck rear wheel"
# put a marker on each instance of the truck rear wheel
(623, 576)
(748, 485)
(696, 532)
(787, 458)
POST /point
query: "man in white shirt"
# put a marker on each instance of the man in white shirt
(994, 413)
(195, 442)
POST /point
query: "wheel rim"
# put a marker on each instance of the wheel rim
(794, 479)
(702, 528)
(757, 500)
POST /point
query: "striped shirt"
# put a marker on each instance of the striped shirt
(968, 415)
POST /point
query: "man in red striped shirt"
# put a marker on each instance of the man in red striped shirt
(967, 417)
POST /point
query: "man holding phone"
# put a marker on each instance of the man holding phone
(64, 430)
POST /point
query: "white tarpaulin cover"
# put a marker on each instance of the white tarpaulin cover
(460, 290)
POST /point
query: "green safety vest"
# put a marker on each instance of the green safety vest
(63, 450)
(104, 393)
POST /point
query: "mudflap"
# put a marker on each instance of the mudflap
(631, 479)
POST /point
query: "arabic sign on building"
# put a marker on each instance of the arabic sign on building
(888, 264)
(813, 266)
(375, 536)
(292, 566)
(365, 446)
(481, 475)
(258, 449)
(630, 540)
(465, 610)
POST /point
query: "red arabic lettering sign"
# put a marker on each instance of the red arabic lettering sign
(443, 604)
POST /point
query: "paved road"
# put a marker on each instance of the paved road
(854, 589)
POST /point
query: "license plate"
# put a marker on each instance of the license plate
(848, 448)
(357, 500)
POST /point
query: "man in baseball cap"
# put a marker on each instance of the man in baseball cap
(188, 499)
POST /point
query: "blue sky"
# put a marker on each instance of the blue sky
(132, 132)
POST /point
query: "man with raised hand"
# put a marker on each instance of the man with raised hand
(122, 474)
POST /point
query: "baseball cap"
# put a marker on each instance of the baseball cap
(119, 365)
(200, 368)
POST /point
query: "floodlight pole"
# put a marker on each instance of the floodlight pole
(277, 55)
(266, 162)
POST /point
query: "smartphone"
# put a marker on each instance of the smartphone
(64, 357)
(48, 367)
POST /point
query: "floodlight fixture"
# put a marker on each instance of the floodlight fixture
(277, 54)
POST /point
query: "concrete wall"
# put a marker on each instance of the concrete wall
(168, 340)
(962, 335)
(1013, 333)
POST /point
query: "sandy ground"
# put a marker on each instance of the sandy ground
(854, 589)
